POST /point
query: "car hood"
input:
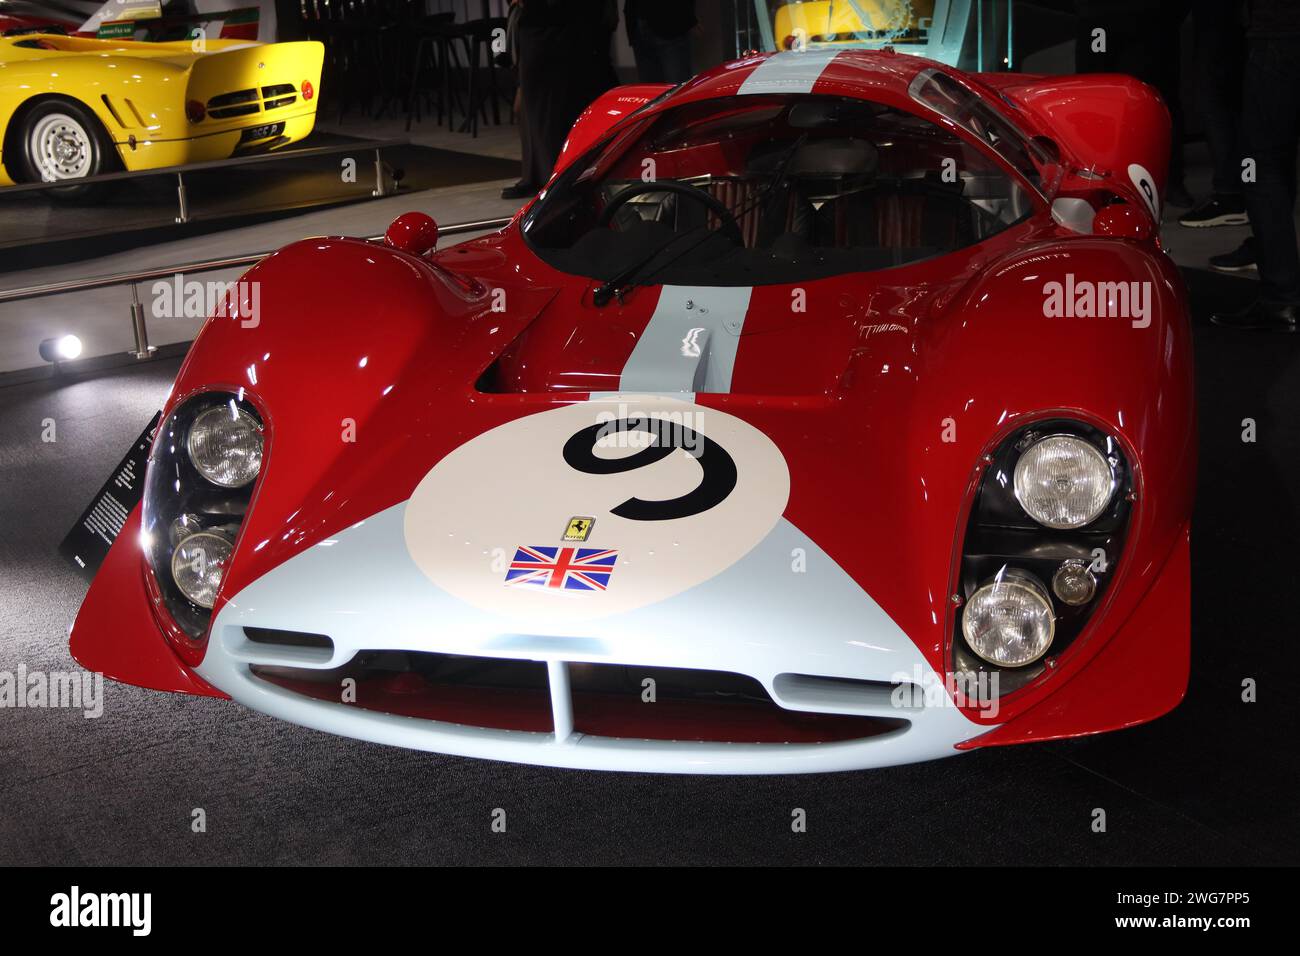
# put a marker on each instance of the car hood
(401, 476)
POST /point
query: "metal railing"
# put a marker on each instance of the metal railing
(139, 329)
(182, 201)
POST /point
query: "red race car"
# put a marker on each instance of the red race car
(831, 410)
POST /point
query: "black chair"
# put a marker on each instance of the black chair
(456, 53)
(480, 35)
(431, 38)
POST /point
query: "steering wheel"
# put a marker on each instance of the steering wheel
(730, 227)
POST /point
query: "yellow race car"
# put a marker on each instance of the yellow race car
(813, 24)
(72, 107)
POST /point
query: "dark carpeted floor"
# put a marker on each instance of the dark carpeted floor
(1213, 783)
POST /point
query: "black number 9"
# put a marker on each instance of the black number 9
(718, 467)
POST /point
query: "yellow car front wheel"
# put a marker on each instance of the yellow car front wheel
(62, 141)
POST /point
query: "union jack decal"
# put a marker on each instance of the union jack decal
(568, 569)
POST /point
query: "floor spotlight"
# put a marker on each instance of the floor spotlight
(62, 348)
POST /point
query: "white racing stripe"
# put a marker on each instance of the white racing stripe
(788, 72)
(690, 342)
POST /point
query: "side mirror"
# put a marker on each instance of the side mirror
(413, 232)
(1122, 221)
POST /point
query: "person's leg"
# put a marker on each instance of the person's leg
(1272, 100)
(1219, 53)
(1165, 75)
(675, 55)
(527, 184)
(1269, 122)
(649, 63)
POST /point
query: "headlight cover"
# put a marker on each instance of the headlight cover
(1063, 482)
(225, 445)
(1072, 566)
(189, 520)
(1009, 621)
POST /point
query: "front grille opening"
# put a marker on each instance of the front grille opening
(268, 635)
(276, 104)
(474, 691)
(278, 89)
(610, 700)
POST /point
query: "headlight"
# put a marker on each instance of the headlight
(225, 445)
(1009, 621)
(199, 564)
(1063, 482)
(1047, 529)
(203, 468)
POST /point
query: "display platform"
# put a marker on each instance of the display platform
(36, 232)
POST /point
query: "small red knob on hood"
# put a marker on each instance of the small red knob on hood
(413, 232)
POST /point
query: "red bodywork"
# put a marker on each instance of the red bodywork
(12, 23)
(855, 395)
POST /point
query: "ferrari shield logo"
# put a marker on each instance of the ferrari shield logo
(578, 528)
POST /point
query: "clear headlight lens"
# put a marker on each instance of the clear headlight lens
(198, 565)
(1074, 583)
(1063, 482)
(1009, 621)
(225, 445)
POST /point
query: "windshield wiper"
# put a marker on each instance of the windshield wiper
(618, 283)
(625, 277)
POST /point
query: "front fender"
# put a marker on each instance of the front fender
(996, 362)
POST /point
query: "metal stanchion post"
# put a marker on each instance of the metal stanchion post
(180, 198)
(143, 349)
(379, 189)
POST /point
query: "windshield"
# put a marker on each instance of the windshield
(771, 189)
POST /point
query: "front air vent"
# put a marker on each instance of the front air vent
(487, 692)
(267, 635)
(614, 700)
(266, 645)
(840, 695)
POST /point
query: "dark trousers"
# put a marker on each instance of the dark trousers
(1142, 40)
(661, 59)
(1270, 114)
(1220, 48)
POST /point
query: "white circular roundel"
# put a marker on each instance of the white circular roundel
(593, 508)
(1146, 185)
